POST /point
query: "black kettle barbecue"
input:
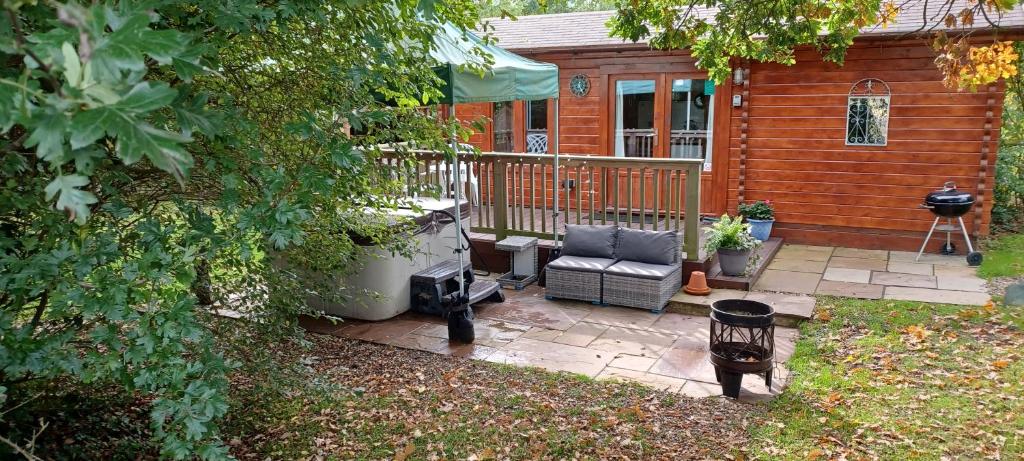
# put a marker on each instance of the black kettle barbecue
(950, 203)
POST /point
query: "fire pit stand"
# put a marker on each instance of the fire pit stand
(742, 342)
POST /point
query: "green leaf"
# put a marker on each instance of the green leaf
(161, 147)
(72, 66)
(70, 198)
(48, 136)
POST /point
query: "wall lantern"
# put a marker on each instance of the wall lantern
(737, 76)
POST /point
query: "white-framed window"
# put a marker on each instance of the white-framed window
(867, 113)
(537, 126)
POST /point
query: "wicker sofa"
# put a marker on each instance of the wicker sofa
(612, 265)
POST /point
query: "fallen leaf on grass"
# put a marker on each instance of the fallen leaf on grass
(408, 450)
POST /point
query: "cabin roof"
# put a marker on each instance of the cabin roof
(589, 29)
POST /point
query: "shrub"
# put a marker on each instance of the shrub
(760, 210)
(731, 234)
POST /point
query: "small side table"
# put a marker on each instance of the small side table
(523, 261)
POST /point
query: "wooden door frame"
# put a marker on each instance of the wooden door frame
(659, 109)
(720, 126)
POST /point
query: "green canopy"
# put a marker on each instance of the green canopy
(510, 78)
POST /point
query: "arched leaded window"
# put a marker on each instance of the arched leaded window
(867, 115)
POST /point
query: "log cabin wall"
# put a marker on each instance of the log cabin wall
(786, 142)
(830, 193)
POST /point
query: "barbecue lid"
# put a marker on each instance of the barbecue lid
(949, 195)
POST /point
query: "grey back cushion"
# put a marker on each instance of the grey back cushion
(648, 246)
(590, 241)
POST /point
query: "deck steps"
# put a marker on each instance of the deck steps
(767, 251)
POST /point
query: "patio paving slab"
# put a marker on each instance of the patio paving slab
(801, 306)
(961, 283)
(686, 363)
(581, 334)
(805, 252)
(966, 271)
(653, 380)
(903, 280)
(552, 356)
(904, 267)
(632, 362)
(443, 346)
(489, 332)
(535, 311)
(381, 332)
(860, 253)
(542, 334)
(856, 263)
(619, 340)
(797, 265)
(621, 317)
(929, 258)
(682, 325)
(788, 282)
(930, 295)
(842, 274)
(850, 290)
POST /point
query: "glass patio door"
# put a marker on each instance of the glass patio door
(662, 115)
(636, 133)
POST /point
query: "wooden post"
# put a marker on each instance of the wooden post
(500, 205)
(691, 226)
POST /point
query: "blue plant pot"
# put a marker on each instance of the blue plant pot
(761, 229)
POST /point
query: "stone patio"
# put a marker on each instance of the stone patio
(667, 350)
(873, 274)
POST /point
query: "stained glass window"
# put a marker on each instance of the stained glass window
(867, 116)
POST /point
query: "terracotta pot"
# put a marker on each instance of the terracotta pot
(698, 284)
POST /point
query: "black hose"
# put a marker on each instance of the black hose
(487, 269)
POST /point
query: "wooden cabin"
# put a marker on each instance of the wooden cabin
(845, 152)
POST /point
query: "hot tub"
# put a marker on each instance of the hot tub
(379, 289)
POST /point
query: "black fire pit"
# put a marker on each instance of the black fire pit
(742, 342)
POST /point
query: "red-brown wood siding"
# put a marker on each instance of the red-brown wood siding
(825, 191)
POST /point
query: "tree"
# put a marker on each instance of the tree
(495, 8)
(769, 31)
(143, 142)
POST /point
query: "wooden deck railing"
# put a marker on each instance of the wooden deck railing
(513, 194)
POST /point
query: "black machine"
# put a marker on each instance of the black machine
(950, 203)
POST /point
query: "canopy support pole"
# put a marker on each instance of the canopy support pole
(457, 188)
(558, 186)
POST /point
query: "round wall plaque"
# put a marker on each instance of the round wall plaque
(579, 85)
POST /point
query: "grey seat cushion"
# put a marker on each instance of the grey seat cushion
(641, 270)
(647, 246)
(590, 241)
(581, 264)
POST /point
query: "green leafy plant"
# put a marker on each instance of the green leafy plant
(761, 210)
(729, 233)
(150, 150)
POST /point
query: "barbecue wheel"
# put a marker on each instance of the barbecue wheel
(974, 259)
(460, 327)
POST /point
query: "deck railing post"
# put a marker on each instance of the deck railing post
(500, 205)
(691, 225)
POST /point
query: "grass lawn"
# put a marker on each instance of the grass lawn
(1004, 257)
(901, 380)
(870, 380)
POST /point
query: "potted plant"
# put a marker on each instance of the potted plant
(730, 238)
(761, 216)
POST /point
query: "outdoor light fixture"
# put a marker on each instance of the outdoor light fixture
(737, 76)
